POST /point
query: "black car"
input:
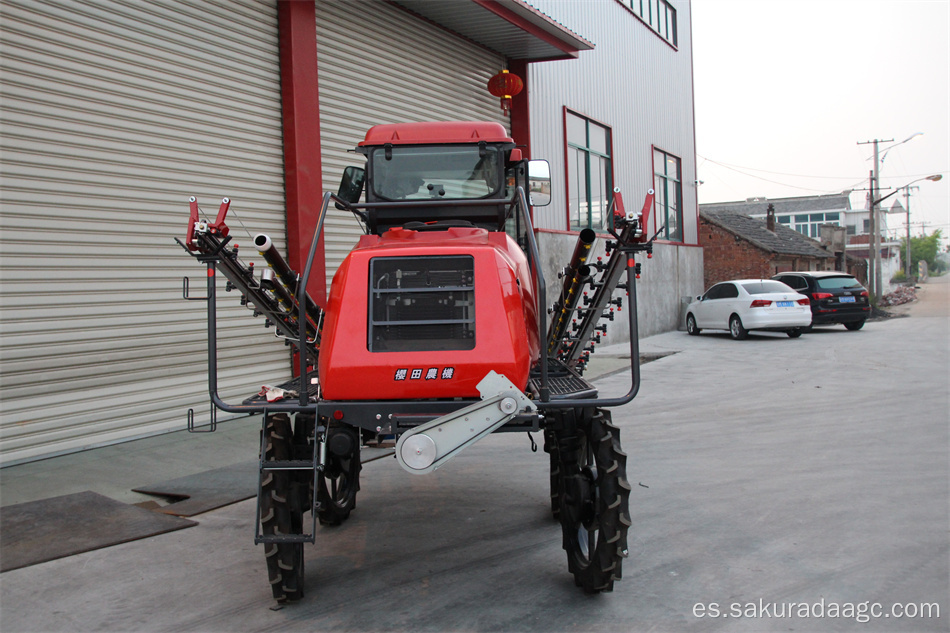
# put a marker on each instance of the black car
(836, 297)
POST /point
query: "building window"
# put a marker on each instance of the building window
(659, 15)
(809, 223)
(668, 202)
(589, 173)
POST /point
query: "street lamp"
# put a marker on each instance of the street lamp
(933, 178)
(874, 261)
(890, 147)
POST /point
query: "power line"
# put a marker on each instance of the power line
(777, 173)
(775, 182)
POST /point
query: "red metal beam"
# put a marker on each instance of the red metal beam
(520, 120)
(297, 24)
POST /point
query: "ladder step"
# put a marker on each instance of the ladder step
(285, 538)
(289, 464)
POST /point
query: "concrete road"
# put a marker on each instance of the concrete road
(765, 473)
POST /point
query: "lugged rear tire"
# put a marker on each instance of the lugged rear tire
(281, 513)
(339, 482)
(595, 499)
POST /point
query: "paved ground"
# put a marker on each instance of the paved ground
(765, 472)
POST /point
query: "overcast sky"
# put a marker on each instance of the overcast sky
(785, 89)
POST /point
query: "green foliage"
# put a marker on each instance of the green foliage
(899, 276)
(923, 248)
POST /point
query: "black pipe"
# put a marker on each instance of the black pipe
(288, 278)
(574, 278)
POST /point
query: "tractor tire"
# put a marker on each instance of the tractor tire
(339, 482)
(595, 500)
(281, 514)
(550, 447)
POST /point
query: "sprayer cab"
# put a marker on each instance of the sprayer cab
(463, 164)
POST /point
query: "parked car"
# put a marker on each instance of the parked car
(836, 297)
(741, 305)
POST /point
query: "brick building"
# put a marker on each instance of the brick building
(737, 246)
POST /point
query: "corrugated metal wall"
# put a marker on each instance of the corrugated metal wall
(634, 82)
(113, 114)
(640, 86)
(383, 65)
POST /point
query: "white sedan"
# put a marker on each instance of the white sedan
(741, 305)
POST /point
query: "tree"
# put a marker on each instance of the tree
(923, 249)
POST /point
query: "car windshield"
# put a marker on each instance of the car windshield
(838, 283)
(763, 287)
(450, 172)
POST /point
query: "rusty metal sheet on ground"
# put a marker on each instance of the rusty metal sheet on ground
(40, 531)
(217, 488)
(207, 491)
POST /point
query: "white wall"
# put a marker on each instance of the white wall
(634, 82)
(641, 87)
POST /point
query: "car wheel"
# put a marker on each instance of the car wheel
(691, 328)
(794, 333)
(854, 325)
(736, 330)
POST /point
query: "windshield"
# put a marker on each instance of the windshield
(447, 172)
(763, 287)
(839, 283)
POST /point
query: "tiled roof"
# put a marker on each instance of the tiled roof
(783, 240)
(784, 206)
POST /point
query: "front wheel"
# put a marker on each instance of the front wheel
(854, 325)
(550, 447)
(736, 329)
(794, 333)
(595, 496)
(281, 513)
(691, 327)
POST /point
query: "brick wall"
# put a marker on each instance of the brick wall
(726, 258)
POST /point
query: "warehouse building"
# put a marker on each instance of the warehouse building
(115, 113)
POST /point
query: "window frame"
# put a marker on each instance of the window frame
(636, 7)
(664, 199)
(587, 152)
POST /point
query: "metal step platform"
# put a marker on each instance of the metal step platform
(291, 385)
(563, 382)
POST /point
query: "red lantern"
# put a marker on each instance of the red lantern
(505, 85)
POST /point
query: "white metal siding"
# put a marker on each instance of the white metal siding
(381, 64)
(114, 113)
(634, 82)
(640, 86)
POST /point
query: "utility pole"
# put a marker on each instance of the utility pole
(875, 221)
(907, 259)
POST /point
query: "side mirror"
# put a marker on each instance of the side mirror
(539, 183)
(699, 297)
(351, 185)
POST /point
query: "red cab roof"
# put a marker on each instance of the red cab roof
(445, 132)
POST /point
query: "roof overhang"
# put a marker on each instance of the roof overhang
(510, 27)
